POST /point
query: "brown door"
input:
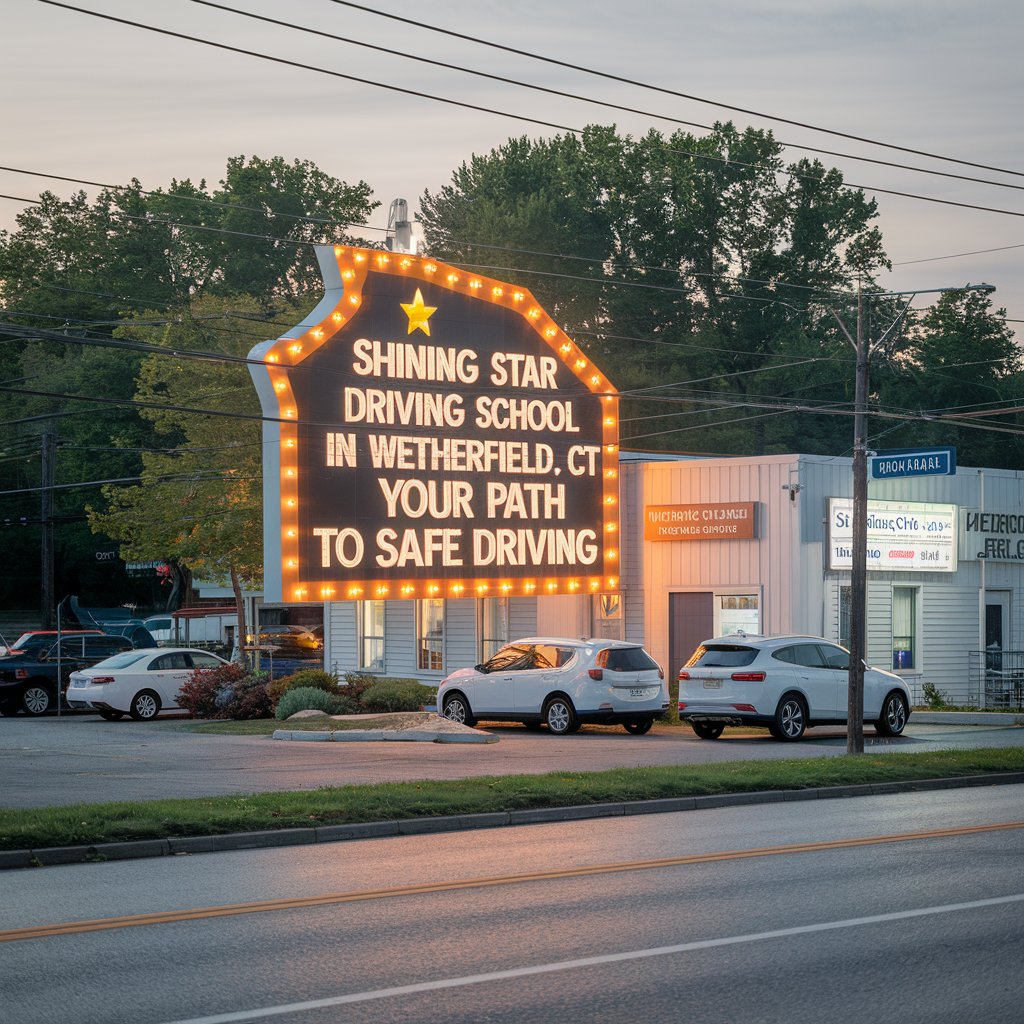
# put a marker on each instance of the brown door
(691, 619)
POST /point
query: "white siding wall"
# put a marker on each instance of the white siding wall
(769, 565)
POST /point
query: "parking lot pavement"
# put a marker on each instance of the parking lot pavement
(47, 762)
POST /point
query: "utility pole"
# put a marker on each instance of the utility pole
(864, 348)
(48, 455)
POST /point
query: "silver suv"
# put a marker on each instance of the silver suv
(561, 683)
(784, 682)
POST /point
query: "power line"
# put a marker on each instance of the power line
(661, 89)
(575, 96)
(520, 117)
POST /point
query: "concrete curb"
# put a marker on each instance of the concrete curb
(382, 735)
(966, 718)
(462, 822)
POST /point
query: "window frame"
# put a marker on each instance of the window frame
(365, 639)
(484, 652)
(430, 649)
(913, 638)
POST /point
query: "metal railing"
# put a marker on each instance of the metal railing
(995, 679)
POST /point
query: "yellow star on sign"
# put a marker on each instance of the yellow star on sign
(418, 313)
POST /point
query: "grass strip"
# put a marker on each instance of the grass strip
(111, 822)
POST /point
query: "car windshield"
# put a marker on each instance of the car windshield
(122, 660)
(721, 656)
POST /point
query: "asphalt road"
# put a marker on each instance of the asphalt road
(46, 762)
(709, 916)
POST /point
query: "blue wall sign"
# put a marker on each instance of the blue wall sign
(912, 462)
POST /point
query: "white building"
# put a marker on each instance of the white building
(710, 546)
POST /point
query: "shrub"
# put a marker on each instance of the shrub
(314, 677)
(250, 698)
(398, 695)
(202, 693)
(305, 698)
(933, 697)
(228, 692)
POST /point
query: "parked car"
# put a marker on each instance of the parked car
(33, 639)
(561, 683)
(138, 683)
(291, 641)
(784, 682)
(28, 679)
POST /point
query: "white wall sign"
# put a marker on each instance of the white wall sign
(903, 536)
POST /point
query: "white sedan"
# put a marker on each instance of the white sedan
(138, 683)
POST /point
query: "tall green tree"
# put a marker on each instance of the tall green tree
(960, 359)
(199, 500)
(700, 255)
(77, 272)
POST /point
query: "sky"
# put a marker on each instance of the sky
(91, 99)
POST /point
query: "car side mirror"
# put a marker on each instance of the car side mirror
(480, 668)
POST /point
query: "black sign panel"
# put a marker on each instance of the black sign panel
(441, 437)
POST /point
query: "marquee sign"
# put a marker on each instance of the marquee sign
(433, 433)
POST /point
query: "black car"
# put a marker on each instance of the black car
(28, 682)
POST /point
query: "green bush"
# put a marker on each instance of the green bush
(313, 677)
(933, 697)
(397, 695)
(304, 698)
(227, 692)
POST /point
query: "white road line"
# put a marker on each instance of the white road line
(591, 961)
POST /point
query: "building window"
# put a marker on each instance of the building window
(430, 634)
(492, 626)
(844, 616)
(904, 627)
(738, 613)
(607, 613)
(371, 635)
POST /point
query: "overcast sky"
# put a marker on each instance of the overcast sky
(88, 98)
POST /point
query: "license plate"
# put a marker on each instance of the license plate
(712, 684)
(640, 692)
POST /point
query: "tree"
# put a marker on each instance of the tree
(698, 259)
(960, 357)
(199, 500)
(76, 273)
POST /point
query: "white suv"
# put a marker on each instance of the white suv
(784, 682)
(563, 683)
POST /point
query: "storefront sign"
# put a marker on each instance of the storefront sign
(903, 536)
(437, 435)
(732, 521)
(995, 536)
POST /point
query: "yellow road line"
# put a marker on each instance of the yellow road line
(301, 902)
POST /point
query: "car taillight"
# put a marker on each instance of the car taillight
(596, 673)
(682, 704)
(748, 677)
(683, 675)
(21, 673)
(102, 679)
(745, 707)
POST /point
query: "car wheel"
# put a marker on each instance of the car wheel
(560, 716)
(145, 706)
(639, 728)
(36, 699)
(456, 709)
(893, 719)
(790, 718)
(110, 716)
(707, 730)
